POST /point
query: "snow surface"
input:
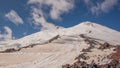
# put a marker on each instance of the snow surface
(60, 51)
(96, 31)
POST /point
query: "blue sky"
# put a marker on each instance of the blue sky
(19, 18)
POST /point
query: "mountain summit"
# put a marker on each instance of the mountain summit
(87, 28)
(86, 42)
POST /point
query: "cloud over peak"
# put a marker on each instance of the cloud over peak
(14, 17)
(58, 7)
(55, 10)
(39, 19)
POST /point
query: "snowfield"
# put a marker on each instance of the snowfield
(54, 48)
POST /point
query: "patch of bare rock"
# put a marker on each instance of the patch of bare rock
(114, 57)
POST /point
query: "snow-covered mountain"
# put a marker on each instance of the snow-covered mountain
(88, 28)
(54, 47)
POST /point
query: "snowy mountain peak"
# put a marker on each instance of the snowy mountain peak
(86, 42)
(87, 23)
(89, 29)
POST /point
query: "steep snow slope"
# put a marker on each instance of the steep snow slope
(51, 55)
(92, 30)
(95, 31)
(39, 37)
(62, 50)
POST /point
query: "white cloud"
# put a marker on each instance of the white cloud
(99, 7)
(55, 10)
(58, 7)
(14, 17)
(7, 35)
(108, 4)
(39, 20)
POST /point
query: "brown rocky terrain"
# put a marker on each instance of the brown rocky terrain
(114, 63)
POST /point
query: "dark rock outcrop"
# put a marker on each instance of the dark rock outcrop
(105, 46)
(116, 55)
(115, 59)
(81, 56)
(82, 64)
(10, 50)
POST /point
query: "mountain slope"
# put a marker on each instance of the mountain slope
(95, 31)
(90, 29)
(53, 48)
